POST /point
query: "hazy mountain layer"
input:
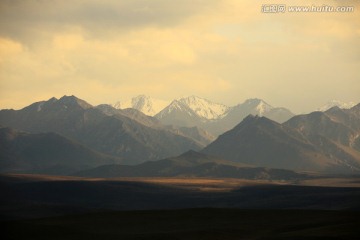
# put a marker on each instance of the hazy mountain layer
(117, 135)
(143, 103)
(327, 142)
(194, 133)
(217, 118)
(191, 164)
(336, 103)
(47, 153)
(320, 141)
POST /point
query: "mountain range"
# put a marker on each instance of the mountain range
(95, 139)
(336, 103)
(49, 153)
(216, 118)
(152, 106)
(320, 141)
(122, 135)
(251, 106)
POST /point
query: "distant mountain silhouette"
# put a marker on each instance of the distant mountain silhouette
(312, 142)
(191, 164)
(47, 153)
(320, 141)
(254, 107)
(117, 135)
(142, 103)
(339, 125)
(217, 118)
(336, 103)
(194, 133)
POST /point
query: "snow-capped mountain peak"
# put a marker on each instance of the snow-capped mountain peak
(203, 107)
(259, 105)
(336, 103)
(216, 118)
(263, 107)
(175, 105)
(143, 103)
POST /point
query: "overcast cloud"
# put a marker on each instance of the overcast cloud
(223, 50)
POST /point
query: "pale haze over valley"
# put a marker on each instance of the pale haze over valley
(226, 51)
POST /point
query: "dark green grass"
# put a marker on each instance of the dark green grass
(191, 224)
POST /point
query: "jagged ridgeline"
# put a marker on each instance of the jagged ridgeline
(70, 135)
(191, 111)
(129, 135)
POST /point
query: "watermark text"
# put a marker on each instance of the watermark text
(282, 8)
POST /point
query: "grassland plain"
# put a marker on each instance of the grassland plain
(58, 207)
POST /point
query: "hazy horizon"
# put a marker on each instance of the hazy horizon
(226, 51)
(122, 101)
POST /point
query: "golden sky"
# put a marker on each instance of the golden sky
(225, 50)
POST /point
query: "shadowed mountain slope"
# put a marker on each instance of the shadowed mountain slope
(262, 142)
(192, 164)
(116, 135)
(199, 135)
(47, 153)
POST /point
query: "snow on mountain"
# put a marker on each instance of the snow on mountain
(191, 111)
(175, 105)
(256, 106)
(263, 107)
(143, 103)
(336, 103)
(204, 108)
(192, 106)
